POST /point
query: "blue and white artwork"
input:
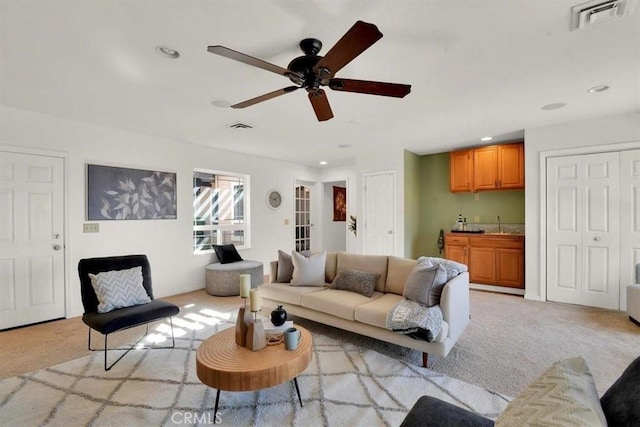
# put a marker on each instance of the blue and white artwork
(115, 193)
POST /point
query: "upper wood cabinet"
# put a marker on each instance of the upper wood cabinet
(461, 171)
(494, 167)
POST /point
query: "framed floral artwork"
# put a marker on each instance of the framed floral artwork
(115, 193)
(339, 204)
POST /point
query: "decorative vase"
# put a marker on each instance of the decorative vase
(278, 316)
(242, 324)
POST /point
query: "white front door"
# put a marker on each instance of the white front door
(583, 230)
(629, 220)
(31, 239)
(379, 214)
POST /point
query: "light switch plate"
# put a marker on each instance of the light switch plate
(477, 219)
(91, 227)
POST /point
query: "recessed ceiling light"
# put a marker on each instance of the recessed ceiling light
(344, 145)
(323, 163)
(221, 103)
(486, 138)
(168, 52)
(599, 88)
(554, 106)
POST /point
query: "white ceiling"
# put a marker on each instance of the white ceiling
(476, 68)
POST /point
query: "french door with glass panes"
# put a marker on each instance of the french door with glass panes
(303, 218)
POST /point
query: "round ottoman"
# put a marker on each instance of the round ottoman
(223, 280)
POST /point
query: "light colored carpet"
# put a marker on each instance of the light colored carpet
(344, 385)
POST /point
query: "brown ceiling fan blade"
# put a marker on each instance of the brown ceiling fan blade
(320, 105)
(355, 41)
(395, 90)
(249, 60)
(265, 97)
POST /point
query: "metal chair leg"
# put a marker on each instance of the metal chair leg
(106, 346)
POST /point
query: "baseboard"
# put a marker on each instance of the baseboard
(501, 289)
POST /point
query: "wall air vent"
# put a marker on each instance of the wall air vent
(598, 11)
(239, 125)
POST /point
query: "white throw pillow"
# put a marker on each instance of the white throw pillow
(564, 395)
(119, 288)
(308, 271)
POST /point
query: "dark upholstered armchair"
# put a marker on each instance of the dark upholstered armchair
(120, 318)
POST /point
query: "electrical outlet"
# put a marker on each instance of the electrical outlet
(477, 218)
(477, 196)
(91, 227)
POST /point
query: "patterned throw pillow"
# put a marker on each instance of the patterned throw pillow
(119, 288)
(451, 267)
(354, 280)
(424, 284)
(564, 395)
(308, 271)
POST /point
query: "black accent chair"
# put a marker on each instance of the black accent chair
(121, 318)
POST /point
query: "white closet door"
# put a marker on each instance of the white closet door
(583, 230)
(629, 220)
(379, 218)
(31, 239)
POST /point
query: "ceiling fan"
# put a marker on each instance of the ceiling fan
(312, 71)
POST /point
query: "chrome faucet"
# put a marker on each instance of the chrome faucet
(499, 226)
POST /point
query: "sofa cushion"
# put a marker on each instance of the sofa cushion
(424, 284)
(330, 268)
(353, 280)
(308, 271)
(283, 293)
(620, 401)
(370, 263)
(565, 394)
(398, 271)
(337, 303)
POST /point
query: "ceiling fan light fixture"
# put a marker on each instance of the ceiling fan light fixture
(598, 89)
(168, 52)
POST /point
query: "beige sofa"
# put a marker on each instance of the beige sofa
(367, 315)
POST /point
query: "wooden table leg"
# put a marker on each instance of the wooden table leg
(295, 381)
(217, 400)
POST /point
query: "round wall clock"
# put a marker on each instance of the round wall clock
(274, 199)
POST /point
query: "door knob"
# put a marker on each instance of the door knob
(390, 232)
(57, 247)
(597, 239)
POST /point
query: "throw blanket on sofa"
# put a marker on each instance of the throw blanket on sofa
(416, 320)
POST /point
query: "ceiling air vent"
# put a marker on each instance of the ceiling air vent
(598, 11)
(239, 125)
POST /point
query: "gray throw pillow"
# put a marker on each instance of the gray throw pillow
(354, 280)
(424, 284)
(452, 268)
(284, 272)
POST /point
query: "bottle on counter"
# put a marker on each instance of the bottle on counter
(464, 224)
(459, 223)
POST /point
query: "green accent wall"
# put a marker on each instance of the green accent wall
(439, 208)
(411, 202)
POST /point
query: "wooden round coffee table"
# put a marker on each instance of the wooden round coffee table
(224, 365)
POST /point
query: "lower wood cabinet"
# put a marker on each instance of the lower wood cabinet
(492, 259)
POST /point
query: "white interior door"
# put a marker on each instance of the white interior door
(379, 214)
(31, 239)
(303, 218)
(629, 219)
(583, 230)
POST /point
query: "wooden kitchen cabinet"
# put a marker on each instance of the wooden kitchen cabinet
(498, 167)
(461, 171)
(493, 259)
(494, 167)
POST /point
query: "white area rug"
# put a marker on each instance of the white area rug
(345, 385)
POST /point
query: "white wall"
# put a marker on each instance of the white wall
(615, 131)
(167, 243)
(334, 233)
(348, 176)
